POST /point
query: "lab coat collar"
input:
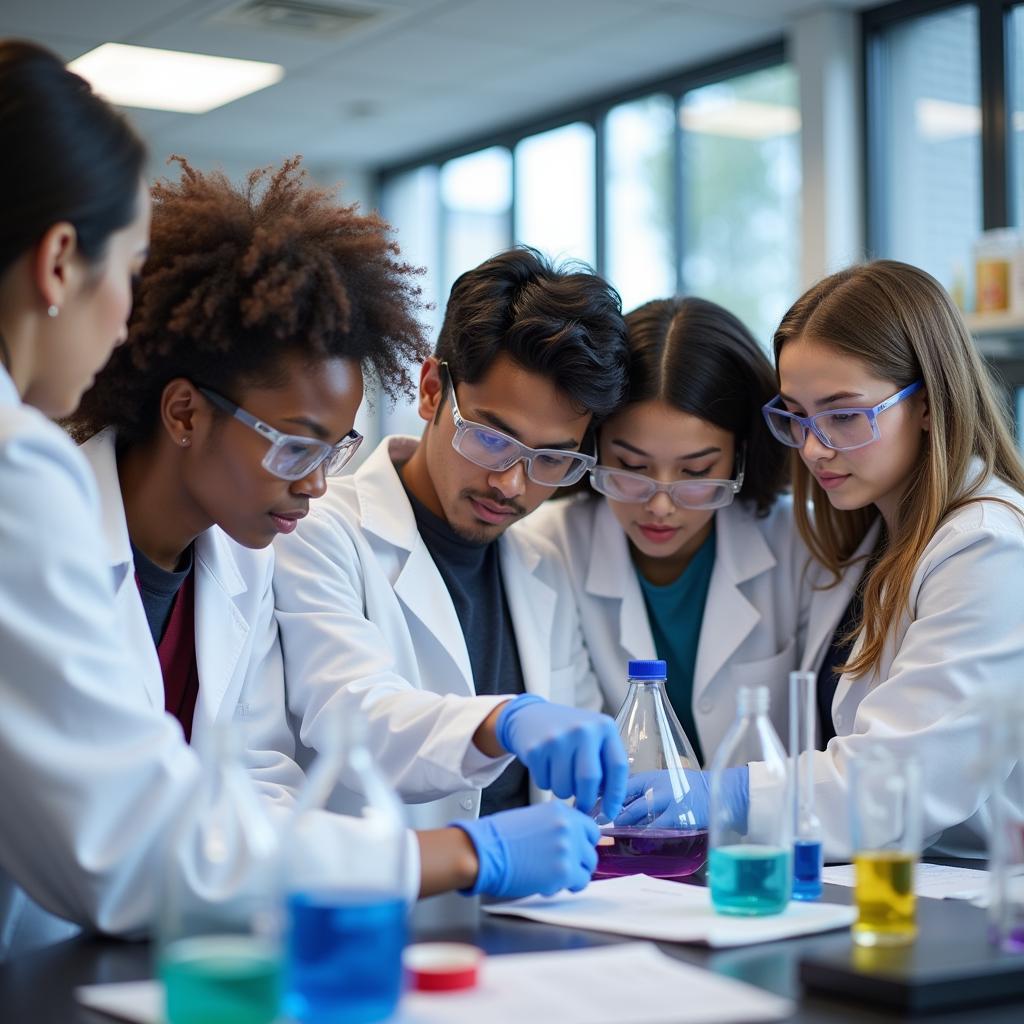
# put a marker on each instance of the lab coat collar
(100, 452)
(741, 553)
(384, 509)
(8, 392)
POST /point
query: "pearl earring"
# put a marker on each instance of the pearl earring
(52, 311)
(184, 440)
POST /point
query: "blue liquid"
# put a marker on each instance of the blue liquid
(343, 956)
(807, 863)
(749, 880)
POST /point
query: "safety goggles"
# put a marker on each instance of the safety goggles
(840, 429)
(491, 449)
(637, 489)
(291, 456)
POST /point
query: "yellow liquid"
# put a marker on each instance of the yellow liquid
(885, 899)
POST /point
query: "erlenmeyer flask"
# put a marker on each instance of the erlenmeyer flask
(662, 830)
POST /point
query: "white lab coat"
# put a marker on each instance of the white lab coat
(95, 777)
(367, 623)
(762, 618)
(962, 636)
(238, 657)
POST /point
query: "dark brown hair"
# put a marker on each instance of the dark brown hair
(239, 277)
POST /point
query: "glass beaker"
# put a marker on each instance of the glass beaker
(749, 875)
(219, 956)
(885, 829)
(807, 849)
(346, 907)
(1005, 732)
(669, 838)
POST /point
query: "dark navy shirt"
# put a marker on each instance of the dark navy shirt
(158, 589)
(472, 574)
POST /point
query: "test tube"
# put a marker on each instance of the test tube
(807, 853)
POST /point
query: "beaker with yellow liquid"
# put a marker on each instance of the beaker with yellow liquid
(885, 825)
(885, 898)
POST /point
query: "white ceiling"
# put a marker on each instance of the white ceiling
(420, 75)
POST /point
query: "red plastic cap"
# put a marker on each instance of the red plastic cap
(442, 966)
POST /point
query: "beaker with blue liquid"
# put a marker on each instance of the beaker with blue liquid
(662, 830)
(750, 874)
(345, 908)
(807, 848)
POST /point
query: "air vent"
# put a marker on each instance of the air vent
(298, 17)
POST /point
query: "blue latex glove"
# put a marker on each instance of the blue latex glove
(689, 806)
(540, 849)
(572, 752)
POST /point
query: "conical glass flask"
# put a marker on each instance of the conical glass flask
(345, 907)
(662, 830)
(749, 874)
(218, 948)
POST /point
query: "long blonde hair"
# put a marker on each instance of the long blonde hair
(899, 321)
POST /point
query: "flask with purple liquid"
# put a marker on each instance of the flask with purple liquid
(666, 840)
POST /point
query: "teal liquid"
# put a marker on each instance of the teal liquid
(221, 979)
(749, 880)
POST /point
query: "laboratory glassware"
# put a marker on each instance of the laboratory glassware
(807, 849)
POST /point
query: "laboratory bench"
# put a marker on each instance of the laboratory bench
(38, 987)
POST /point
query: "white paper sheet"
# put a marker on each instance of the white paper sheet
(936, 881)
(632, 982)
(652, 908)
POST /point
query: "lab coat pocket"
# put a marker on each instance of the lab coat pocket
(766, 671)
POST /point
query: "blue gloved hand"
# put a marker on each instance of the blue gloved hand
(681, 799)
(540, 849)
(572, 752)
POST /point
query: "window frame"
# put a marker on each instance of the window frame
(594, 112)
(993, 63)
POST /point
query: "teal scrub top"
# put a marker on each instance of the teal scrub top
(676, 612)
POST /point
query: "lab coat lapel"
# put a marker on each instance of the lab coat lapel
(101, 454)
(531, 605)
(741, 553)
(385, 513)
(221, 628)
(612, 576)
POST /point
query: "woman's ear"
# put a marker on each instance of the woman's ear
(54, 268)
(180, 412)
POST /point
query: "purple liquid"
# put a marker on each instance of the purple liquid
(659, 852)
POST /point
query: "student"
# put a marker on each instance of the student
(691, 555)
(96, 776)
(907, 459)
(214, 429)
(405, 594)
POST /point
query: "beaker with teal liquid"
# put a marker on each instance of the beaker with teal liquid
(749, 875)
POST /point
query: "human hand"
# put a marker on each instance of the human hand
(571, 751)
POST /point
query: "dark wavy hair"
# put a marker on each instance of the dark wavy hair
(700, 359)
(238, 277)
(563, 322)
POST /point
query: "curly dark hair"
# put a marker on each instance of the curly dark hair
(238, 277)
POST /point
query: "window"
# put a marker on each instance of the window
(476, 204)
(554, 192)
(926, 135)
(410, 202)
(640, 251)
(741, 195)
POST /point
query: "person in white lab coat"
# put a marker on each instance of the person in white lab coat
(691, 556)
(907, 458)
(404, 593)
(214, 428)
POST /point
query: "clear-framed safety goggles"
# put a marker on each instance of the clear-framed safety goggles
(291, 456)
(840, 429)
(635, 488)
(491, 449)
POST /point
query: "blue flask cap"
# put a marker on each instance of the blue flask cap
(652, 669)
